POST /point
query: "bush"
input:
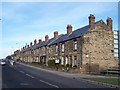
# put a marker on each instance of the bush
(51, 63)
(75, 66)
(18, 60)
(67, 65)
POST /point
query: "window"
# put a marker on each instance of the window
(62, 61)
(49, 50)
(66, 59)
(115, 45)
(75, 60)
(63, 47)
(70, 60)
(75, 45)
(56, 48)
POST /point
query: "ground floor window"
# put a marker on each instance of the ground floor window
(70, 60)
(66, 60)
(62, 61)
(75, 60)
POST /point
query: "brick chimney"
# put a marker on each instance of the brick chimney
(39, 41)
(46, 38)
(109, 23)
(35, 42)
(30, 44)
(56, 35)
(91, 21)
(69, 29)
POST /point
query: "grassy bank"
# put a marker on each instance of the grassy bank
(114, 81)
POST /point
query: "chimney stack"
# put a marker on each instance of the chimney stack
(30, 44)
(56, 35)
(46, 38)
(40, 41)
(35, 42)
(109, 23)
(69, 29)
(91, 21)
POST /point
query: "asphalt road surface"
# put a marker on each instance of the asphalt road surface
(20, 76)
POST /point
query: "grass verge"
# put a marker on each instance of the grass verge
(114, 81)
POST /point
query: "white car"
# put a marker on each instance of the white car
(12, 62)
(2, 62)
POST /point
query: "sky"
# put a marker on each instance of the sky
(23, 22)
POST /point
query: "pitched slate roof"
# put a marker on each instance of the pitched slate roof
(44, 43)
(64, 37)
(74, 34)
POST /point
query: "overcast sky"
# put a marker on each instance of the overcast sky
(22, 22)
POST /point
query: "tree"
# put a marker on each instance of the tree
(8, 57)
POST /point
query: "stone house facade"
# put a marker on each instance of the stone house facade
(88, 48)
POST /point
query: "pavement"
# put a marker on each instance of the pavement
(76, 75)
(71, 75)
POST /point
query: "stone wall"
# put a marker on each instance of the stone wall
(98, 49)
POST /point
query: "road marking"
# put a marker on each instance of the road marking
(30, 75)
(22, 72)
(24, 84)
(49, 84)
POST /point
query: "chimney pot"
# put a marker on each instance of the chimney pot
(55, 35)
(40, 41)
(109, 23)
(30, 44)
(35, 42)
(69, 29)
(46, 38)
(91, 21)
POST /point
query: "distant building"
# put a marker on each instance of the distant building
(116, 44)
(119, 45)
(89, 48)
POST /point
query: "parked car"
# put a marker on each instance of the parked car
(12, 62)
(2, 62)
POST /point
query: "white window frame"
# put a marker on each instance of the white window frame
(75, 45)
(62, 61)
(63, 47)
(56, 48)
(66, 60)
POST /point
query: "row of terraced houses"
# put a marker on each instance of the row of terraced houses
(92, 45)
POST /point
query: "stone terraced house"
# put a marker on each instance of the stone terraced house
(89, 48)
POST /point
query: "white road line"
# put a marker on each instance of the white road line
(49, 84)
(21, 71)
(30, 75)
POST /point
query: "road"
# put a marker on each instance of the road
(21, 76)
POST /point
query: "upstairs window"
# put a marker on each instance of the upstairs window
(56, 48)
(63, 47)
(75, 44)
